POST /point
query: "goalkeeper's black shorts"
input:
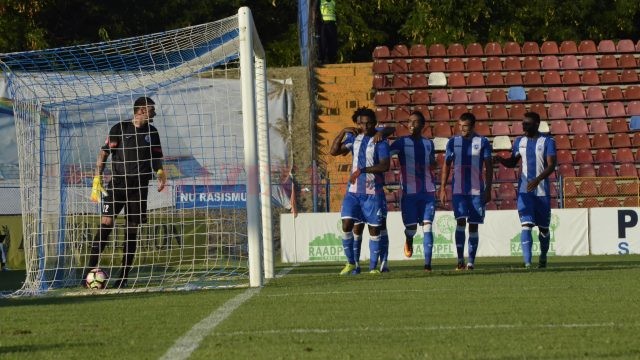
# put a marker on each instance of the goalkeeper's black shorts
(132, 200)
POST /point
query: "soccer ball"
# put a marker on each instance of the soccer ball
(96, 279)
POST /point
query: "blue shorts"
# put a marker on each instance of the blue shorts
(417, 208)
(534, 210)
(470, 207)
(371, 209)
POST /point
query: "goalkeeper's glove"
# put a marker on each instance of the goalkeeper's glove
(162, 179)
(97, 189)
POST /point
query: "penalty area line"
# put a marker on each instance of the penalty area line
(189, 342)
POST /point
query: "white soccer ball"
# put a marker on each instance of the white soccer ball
(96, 279)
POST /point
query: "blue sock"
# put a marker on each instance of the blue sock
(545, 239)
(374, 251)
(474, 239)
(357, 247)
(460, 236)
(525, 241)
(347, 245)
(384, 248)
(427, 244)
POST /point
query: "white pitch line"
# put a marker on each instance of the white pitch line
(428, 328)
(189, 342)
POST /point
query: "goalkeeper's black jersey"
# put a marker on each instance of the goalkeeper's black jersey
(135, 153)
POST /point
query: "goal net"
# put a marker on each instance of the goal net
(211, 225)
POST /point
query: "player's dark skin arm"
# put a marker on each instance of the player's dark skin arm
(510, 162)
(100, 162)
(378, 168)
(383, 134)
(336, 147)
(551, 167)
(488, 178)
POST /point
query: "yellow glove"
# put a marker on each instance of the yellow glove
(97, 189)
(162, 179)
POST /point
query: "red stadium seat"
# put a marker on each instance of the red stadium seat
(508, 204)
(506, 191)
(456, 79)
(588, 187)
(558, 127)
(513, 78)
(400, 51)
(589, 62)
(564, 156)
(531, 63)
(624, 155)
(583, 156)
(497, 95)
(532, 78)
(549, 47)
(627, 61)
(383, 114)
(586, 170)
(401, 113)
(568, 47)
(492, 48)
(596, 110)
(512, 63)
(587, 47)
(475, 79)
(420, 97)
(590, 203)
(511, 48)
(632, 92)
(606, 169)
(562, 142)
(530, 47)
(505, 174)
(475, 64)
(442, 129)
(569, 62)
(402, 97)
(516, 128)
(426, 132)
(399, 66)
(517, 112)
(439, 96)
(437, 50)
(400, 81)
(576, 111)
(594, 93)
(493, 64)
(579, 126)
(494, 79)
(419, 81)
(480, 111)
(554, 94)
(455, 50)
(474, 49)
(629, 76)
(424, 109)
(627, 169)
(491, 205)
(402, 129)
(613, 93)
(581, 141)
(459, 96)
(380, 51)
(633, 108)
(436, 65)
(557, 111)
(550, 62)
(608, 62)
(418, 65)
(418, 50)
(540, 109)
(574, 94)
(440, 112)
(619, 125)
(590, 77)
(458, 110)
(380, 82)
(566, 170)
(609, 77)
(599, 126)
(499, 111)
(601, 141)
(482, 128)
(380, 66)
(383, 98)
(625, 46)
(478, 96)
(620, 140)
(636, 140)
(606, 46)
(551, 77)
(455, 64)
(611, 202)
(500, 128)
(571, 77)
(616, 109)
(537, 95)
(571, 203)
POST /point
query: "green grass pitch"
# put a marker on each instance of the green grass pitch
(579, 307)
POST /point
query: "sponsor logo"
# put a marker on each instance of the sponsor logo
(327, 247)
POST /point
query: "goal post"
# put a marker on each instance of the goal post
(212, 225)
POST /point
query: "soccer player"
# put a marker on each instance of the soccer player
(364, 200)
(417, 159)
(467, 154)
(538, 154)
(136, 153)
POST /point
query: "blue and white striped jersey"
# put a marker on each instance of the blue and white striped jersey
(416, 159)
(467, 158)
(534, 153)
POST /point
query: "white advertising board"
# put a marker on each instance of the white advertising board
(615, 231)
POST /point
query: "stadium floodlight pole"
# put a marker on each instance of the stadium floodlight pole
(247, 80)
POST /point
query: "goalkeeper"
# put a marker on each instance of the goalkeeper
(136, 153)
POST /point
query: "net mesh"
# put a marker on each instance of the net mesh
(65, 102)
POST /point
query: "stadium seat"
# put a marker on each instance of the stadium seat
(436, 64)
(420, 97)
(569, 62)
(557, 111)
(506, 191)
(571, 203)
(608, 62)
(619, 125)
(530, 47)
(540, 109)
(383, 98)
(633, 108)
(532, 78)
(564, 156)
(624, 155)
(620, 140)
(551, 77)
(493, 64)
(599, 126)
(627, 169)
(437, 79)
(400, 51)
(568, 47)
(628, 188)
(516, 112)
(492, 48)
(609, 77)
(442, 129)
(494, 79)
(401, 113)
(571, 77)
(632, 92)
(455, 49)
(558, 126)
(475, 79)
(380, 51)
(400, 81)
(402, 97)
(554, 94)
(511, 48)
(601, 141)
(516, 93)
(636, 140)
(459, 96)
(583, 156)
(611, 202)
(634, 123)
(589, 62)
(588, 187)
(499, 128)
(419, 81)
(590, 77)
(549, 47)
(424, 109)
(418, 50)
(613, 93)
(505, 174)
(380, 82)
(594, 93)
(605, 170)
(456, 79)
(596, 110)
(587, 47)
(513, 78)
(531, 63)
(474, 64)
(455, 64)
(581, 141)
(512, 63)
(380, 66)
(491, 205)
(480, 111)
(478, 96)
(576, 111)
(562, 142)
(579, 126)
(574, 94)
(402, 129)
(566, 170)
(474, 49)
(627, 61)
(383, 114)
(439, 96)
(440, 113)
(508, 204)
(616, 109)
(399, 66)
(482, 128)
(625, 46)
(426, 132)
(497, 96)
(550, 62)
(499, 111)
(418, 65)
(516, 128)
(606, 46)
(437, 50)
(537, 95)
(586, 170)
(629, 76)
(544, 127)
(590, 203)
(456, 111)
